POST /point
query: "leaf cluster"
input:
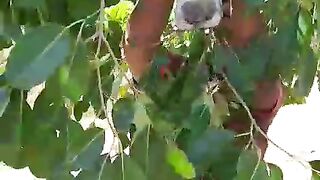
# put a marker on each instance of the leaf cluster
(174, 128)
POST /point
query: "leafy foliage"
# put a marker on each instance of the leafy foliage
(175, 127)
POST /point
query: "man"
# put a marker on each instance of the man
(145, 27)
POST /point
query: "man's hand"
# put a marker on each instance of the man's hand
(144, 29)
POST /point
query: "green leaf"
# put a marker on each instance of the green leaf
(4, 4)
(199, 120)
(172, 98)
(126, 169)
(3, 81)
(141, 119)
(93, 95)
(315, 176)
(58, 11)
(33, 4)
(254, 59)
(223, 60)
(37, 55)
(48, 107)
(4, 99)
(48, 142)
(63, 175)
(196, 79)
(306, 72)
(111, 2)
(162, 121)
(79, 109)
(250, 168)
(123, 114)
(214, 150)
(124, 140)
(179, 161)
(307, 4)
(77, 78)
(275, 172)
(120, 12)
(4, 41)
(220, 108)
(83, 8)
(116, 85)
(114, 37)
(49, 117)
(11, 31)
(10, 134)
(101, 164)
(284, 44)
(197, 46)
(315, 165)
(306, 26)
(149, 152)
(84, 146)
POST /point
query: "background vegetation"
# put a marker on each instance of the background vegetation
(74, 46)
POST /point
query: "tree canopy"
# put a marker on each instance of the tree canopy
(175, 128)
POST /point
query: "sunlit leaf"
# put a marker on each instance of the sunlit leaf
(149, 151)
(120, 12)
(179, 161)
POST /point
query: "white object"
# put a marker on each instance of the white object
(181, 24)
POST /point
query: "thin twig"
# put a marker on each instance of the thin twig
(254, 122)
(100, 30)
(115, 59)
(251, 136)
(256, 166)
(242, 134)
